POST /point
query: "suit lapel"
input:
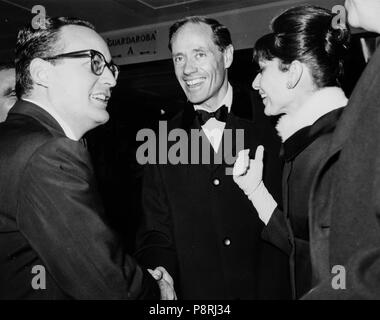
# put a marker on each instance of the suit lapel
(363, 99)
(362, 95)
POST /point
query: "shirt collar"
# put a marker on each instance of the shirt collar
(66, 128)
(227, 101)
(320, 103)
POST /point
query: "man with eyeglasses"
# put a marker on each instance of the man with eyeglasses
(54, 243)
(7, 89)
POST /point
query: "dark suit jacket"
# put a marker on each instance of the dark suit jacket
(200, 226)
(289, 228)
(51, 216)
(345, 201)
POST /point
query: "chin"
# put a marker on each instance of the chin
(268, 112)
(195, 100)
(105, 118)
(102, 117)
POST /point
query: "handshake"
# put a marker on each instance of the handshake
(248, 175)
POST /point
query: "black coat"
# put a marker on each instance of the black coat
(200, 226)
(289, 228)
(345, 200)
(51, 218)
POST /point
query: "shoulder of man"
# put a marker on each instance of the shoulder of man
(29, 137)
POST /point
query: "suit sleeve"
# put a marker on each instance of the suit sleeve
(155, 242)
(60, 214)
(276, 231)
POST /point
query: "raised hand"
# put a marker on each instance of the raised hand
(165, 283)
(248, 174)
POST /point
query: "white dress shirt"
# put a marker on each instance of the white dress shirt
(213, 128)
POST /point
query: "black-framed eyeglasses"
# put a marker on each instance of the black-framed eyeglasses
(98, 61)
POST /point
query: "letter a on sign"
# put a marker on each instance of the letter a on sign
(39, 280)
(339, 280)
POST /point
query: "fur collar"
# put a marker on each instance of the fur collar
(321, 102)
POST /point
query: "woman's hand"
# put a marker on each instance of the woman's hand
(248, 174)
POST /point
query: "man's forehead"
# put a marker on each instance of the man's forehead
(75, 38)
(196, 29)
(194, 35)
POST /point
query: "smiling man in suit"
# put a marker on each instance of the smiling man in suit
(53, 238)
(196, 222)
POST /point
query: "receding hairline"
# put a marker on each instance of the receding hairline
(194, 23)
(65, 30)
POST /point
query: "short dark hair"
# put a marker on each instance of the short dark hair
(37, 43)
(222, 36)
(306, 34)
(5, 65)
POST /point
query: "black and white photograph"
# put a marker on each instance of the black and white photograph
(214, 153)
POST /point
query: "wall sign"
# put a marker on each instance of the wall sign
(132, 45)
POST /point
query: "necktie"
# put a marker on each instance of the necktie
(220, 115)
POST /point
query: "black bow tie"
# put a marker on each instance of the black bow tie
(220, 115)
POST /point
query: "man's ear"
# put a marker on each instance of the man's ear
(39, 72)
(228, 55)
(295, 72)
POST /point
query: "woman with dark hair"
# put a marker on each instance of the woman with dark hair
(300, 66)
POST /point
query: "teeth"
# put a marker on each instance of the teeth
(100, 96)
(262, 94)
(194, 82)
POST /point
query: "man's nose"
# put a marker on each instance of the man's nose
(256, 82)
(190, 67)
(108, 77)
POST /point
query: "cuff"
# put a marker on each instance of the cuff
(263, 202)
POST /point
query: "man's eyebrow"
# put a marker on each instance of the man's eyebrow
(194, 50)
